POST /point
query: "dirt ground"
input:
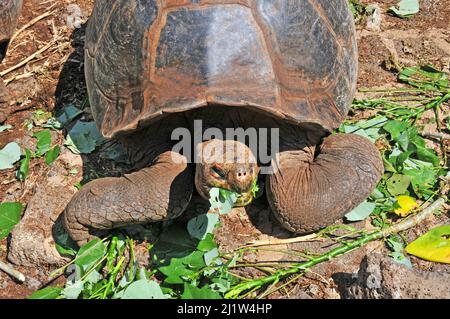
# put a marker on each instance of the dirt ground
(54, 79)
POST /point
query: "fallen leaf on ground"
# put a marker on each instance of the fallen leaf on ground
(407, 204)
(433, 246)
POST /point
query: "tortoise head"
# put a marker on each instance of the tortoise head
(228, 165)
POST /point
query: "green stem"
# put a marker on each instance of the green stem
(113, 277)
(93, 268)
(381, 90)
(60, 270)
(238, 290)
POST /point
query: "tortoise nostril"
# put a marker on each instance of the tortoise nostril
(241, 173)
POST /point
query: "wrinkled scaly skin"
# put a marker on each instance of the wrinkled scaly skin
(308, 193)
(153, 66)
(9, 14)
(305, 194)
(159, 192)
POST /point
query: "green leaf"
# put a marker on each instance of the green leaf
(143, 289)
(52, 155)
(361, 212)
(221, 200)
(194, 260)
(40, 117)
(10, 213)
(403, 140)
(5, 128)
(83, 138)
(395, 243)
(65, 245)
(211, 256)
(72, 290)
(398, 184)
(427, 155)
(70, 112)
(406, 8)
(425, 77)
(176, 271)
(423, 180)
(207, 243)
(401, 259)
(432, 246)
(369, 129)
(198, 227)
(10, 154)
(256, 190)
(388, 167)
(174, 242)
(93, 277)
(90, 254)
(44, 142)
(46, 293)
(53, 124)
(24, 168)
(180, 268)
(395, 128)
(400, 160)
(192, 292)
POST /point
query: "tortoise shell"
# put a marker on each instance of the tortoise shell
(294, 59)
(9, 14)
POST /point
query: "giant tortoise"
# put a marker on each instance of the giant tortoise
(154, 67)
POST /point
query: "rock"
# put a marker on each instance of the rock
(4, 102)
(3, 282)
(32, 241)
(313, 289)
(70, 159)
(33, 284)
(374, 20)
(380, 277)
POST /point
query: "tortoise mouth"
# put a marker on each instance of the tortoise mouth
(244, 199)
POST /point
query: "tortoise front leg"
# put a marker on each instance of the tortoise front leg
(308, 193)
(159, 192)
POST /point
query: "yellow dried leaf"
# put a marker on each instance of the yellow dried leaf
(407, 204)
(433, 246)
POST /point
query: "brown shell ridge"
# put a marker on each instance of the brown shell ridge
(172, 5)
(293, 90)
(264, 35)
(323, 17)
(152, 37)
(333, 104)
(105, 26)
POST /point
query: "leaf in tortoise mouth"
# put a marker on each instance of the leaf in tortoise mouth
(222, 200)
(433, 246)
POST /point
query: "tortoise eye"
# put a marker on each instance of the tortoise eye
(218, 171)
